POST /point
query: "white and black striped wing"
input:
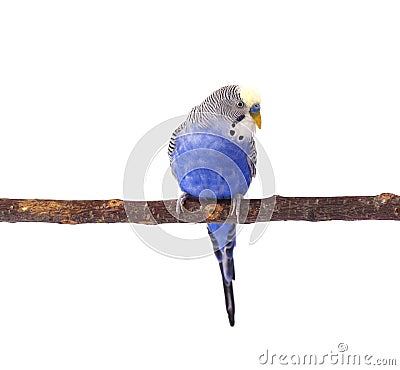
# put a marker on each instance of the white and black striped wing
(252, 158)
(171, 146)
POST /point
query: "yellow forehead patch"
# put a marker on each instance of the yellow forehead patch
(249, 95)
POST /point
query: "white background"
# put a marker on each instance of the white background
(82, 81)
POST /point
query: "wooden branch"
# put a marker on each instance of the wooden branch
(385, 206)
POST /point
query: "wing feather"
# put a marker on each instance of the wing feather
(252, 157)
(179, 130)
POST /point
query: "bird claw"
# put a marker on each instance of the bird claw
(179, 208)
(235, 209)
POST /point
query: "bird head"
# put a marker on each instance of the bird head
(232, 102)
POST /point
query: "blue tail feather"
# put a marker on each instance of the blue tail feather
(223, 238)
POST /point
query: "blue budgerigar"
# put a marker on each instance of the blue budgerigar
(213, 155)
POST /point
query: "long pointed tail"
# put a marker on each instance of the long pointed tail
(223, 238)
(230, 303)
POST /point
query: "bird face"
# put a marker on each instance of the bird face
(236, 103)
(255, 114)
(252, 100)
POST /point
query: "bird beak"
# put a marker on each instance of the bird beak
(257, 118)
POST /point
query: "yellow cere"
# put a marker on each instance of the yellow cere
(249, 95)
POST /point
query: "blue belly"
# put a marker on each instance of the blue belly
(210, 165)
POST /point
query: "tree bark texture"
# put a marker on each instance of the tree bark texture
(385, 206)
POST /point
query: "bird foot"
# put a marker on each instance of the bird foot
(235, 209)
(179, 208)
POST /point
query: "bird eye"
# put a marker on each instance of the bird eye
(240, 104)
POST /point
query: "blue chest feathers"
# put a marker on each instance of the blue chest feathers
(204, 161)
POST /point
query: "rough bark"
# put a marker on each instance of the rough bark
(385, 206)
